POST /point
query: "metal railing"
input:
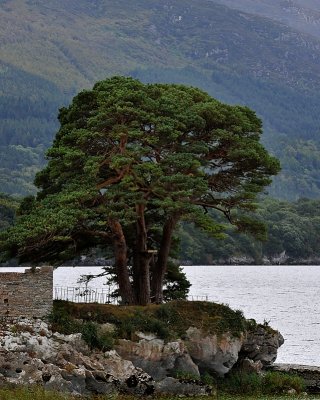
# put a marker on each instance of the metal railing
(85, 295)
(97, 295)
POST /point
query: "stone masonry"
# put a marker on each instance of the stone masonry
(27, 294)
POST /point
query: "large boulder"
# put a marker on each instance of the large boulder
(261, 344)
(213, 353)
(157, 358)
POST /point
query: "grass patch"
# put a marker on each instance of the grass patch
(63, 322)
(271, 383)
(36, 393)
(263, 397)
(31, 393)
(168, 321)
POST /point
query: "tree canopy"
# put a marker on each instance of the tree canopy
(130, 161)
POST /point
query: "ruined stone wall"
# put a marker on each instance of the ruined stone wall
(27, 294)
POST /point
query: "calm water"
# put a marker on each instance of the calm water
(286, 296)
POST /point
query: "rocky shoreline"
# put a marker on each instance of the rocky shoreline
(30, 353)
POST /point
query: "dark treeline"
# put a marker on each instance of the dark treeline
(293, 235)
(8, 207)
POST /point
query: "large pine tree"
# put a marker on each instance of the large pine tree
(129, 162)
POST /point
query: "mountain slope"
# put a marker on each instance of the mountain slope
(50, 50)
(302, 15)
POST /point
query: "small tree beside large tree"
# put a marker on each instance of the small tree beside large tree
(129, 162)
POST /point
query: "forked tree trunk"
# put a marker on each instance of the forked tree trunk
(160, 266)
(121, 262)
(141, 260)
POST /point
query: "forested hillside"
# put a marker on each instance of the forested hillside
(302, 15)
(293, 236)
(49, 50)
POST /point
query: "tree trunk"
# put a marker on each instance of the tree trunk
(141, 260)
(121, 264)
(160, 266)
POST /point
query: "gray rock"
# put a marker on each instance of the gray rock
(177, 387)
(31, 354)
(262, 345)
(157, 358)
(249, 366)
(213, 353)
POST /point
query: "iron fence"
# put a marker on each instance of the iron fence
(97, 295)
(85, 295)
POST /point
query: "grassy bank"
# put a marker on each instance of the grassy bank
(40, 394)
(168, 321)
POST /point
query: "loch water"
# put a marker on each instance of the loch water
(287, 297)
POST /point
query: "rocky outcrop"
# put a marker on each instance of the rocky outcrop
(261, 344)
(157, 358)
(213, 353)
(30, 353)
(196, 352)
(199, 352)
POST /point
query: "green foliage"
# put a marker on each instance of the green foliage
(277, 383)
(256, 384)
(39, 393)
(159, 144)
(128, 163)
(176, 283)
(8, 208)
(185, 376)
(90, 334)
(143, 322)
(61, 321)
(239, 382)
(167, 321)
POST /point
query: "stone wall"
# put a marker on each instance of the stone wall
(27, 294)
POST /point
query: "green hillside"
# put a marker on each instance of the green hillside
(303, 15)
(50, 50)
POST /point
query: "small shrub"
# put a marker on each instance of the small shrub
(208, 379)
(61, 321)
(90, 335)
(185, 376)
(277, 383)
(242, 383)
(270, 383)
(105, 341)
(142, 322)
